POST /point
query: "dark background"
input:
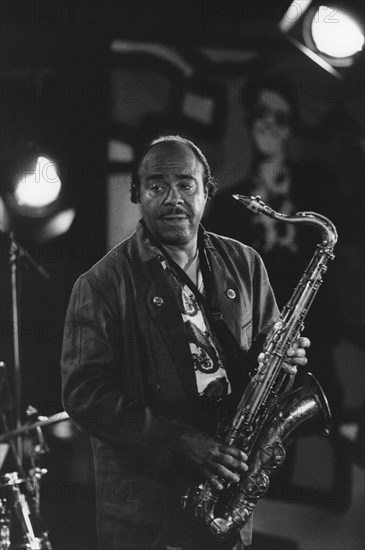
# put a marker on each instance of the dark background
(67, 93)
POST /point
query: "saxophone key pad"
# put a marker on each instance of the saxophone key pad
(273, 455)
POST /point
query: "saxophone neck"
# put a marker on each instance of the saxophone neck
(327, 228)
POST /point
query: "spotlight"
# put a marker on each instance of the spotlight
(35, 206)
(39, 188)
(331, 34)
(334, 34)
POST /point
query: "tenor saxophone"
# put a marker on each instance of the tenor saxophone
(268, 413)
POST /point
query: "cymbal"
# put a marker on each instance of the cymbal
(41, 422)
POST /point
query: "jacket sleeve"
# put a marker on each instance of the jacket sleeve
(92, 390)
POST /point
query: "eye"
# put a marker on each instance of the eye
(156, 187)
(187, 185)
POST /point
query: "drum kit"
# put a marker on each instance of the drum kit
(21, 523)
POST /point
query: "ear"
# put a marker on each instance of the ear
(135, 194)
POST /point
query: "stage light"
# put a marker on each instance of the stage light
(334, 34)
(331, 34)
(35, 207)
(39, 188)
(56, 225)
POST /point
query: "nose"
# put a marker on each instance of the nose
(269, 118)
(173, 196)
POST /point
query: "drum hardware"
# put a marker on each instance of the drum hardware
(4, 526)
(27, 428)
(21, 524)
(21, 527)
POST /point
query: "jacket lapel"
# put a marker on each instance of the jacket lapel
(162, 306)
(225, 291)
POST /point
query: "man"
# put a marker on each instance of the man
(147, 369)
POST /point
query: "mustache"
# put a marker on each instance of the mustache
(174, 211)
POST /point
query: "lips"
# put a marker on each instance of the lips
(174, 216)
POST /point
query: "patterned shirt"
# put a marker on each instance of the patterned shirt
(207, 354)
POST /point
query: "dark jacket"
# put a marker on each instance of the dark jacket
(128, 378)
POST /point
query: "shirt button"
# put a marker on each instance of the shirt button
(231, 293)
(158, 301)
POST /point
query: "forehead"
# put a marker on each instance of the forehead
(273, 100)
(171, 157)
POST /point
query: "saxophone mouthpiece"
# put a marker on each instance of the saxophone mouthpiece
(254, 203)
(243, 198)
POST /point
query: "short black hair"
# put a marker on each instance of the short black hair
(280, 83)
(209, 181)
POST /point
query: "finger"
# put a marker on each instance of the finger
(299, 352)
(289, 369)
(299, 361)
(225, 473)
(234, 459)
(215, 481)
(232, 464)
(303, 342)
(235, 465)
(233, 451)
(295, 351)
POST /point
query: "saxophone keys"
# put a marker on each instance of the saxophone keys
(272, 456)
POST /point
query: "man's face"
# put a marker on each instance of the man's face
(271, 123)
(172, 195)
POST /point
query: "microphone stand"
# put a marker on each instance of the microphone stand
(14, 261)
(16, 253)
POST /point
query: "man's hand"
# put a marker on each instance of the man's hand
(211, 458)
(296, 355)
